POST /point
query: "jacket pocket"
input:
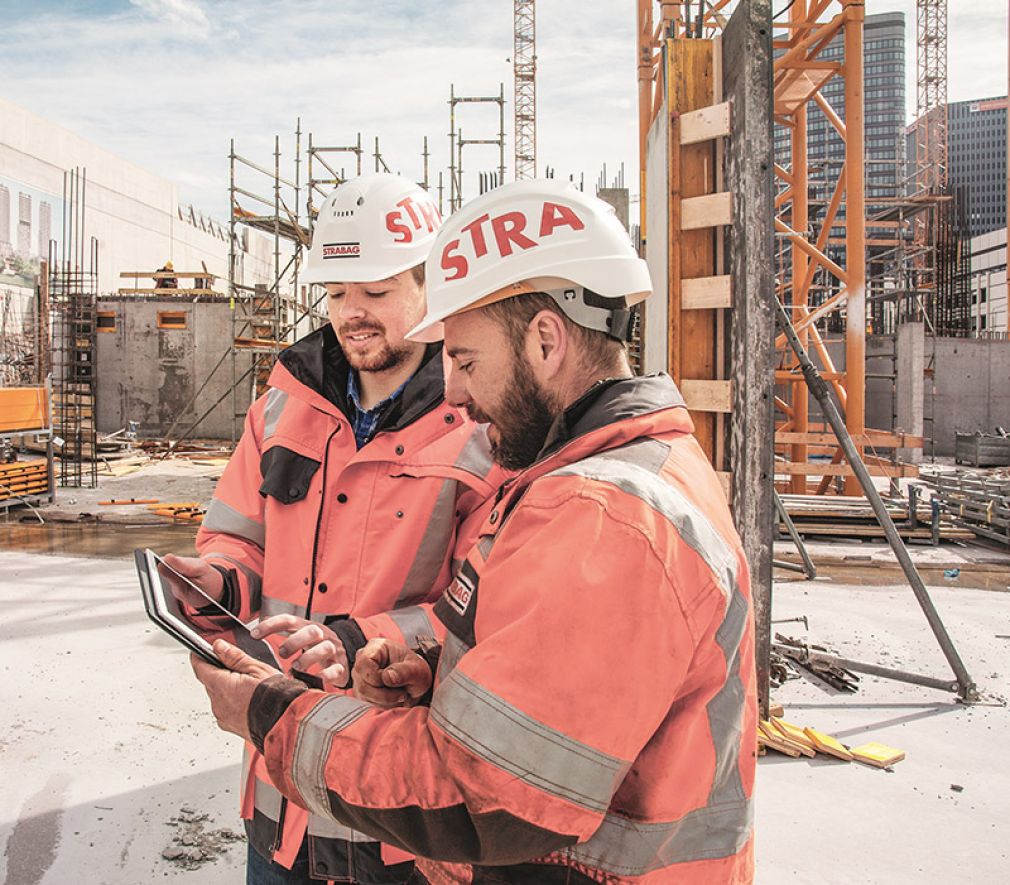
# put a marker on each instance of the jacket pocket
(286, 474)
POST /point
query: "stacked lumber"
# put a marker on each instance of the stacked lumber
(977, 501)
(852, 516)
(791, 740)
(21, 479)
(179, 511)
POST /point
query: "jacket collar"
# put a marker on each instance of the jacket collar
(610, 402)
(318, 365)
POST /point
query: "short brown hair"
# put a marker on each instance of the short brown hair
(599, 352)
(418, 273)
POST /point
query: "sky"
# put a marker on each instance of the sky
(167, 83)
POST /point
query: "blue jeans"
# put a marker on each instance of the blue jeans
(260, 871)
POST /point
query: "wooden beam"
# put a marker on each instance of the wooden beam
(707, 396)
(707, 293)
(704, 124)
(709, 210)
(792, 468)
(880, 440)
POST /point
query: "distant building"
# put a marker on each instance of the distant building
(5, 221)
(977, 151)
(45, 227)
(988, 284)
(883, 111)
(976, 161)
(24, 225)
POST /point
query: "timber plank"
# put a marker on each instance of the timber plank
(705, 123)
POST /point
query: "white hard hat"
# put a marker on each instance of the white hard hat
(534, 235)
(371, 228)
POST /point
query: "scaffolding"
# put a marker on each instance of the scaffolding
(457, 142)
(266, 318)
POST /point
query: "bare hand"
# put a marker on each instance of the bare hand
(318, 644)
(389, 674)
(230, 691)
(200, 572)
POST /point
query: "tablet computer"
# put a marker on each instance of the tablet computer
(167, 612)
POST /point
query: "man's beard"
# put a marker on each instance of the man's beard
(523, 419)
(386, 358)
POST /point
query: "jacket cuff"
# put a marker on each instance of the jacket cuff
(230, 595)
(351, 635)
(269, 702)
(430, 651)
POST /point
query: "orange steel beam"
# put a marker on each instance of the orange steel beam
(800, 219)
(855, 233)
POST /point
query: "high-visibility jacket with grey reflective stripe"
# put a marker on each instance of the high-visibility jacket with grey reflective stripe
(594, 712)
(313, 526)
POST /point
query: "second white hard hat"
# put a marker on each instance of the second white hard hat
(535, 235)
(371, 228)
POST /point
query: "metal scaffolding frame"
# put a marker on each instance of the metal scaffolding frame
(457, 142)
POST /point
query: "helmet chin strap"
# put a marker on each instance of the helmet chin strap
(585, 308)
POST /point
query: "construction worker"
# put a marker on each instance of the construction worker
(170, 282)
(346, 496)
(593, 708)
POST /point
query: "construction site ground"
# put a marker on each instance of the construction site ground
(153, 791)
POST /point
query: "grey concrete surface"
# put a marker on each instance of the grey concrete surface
(821, 821)
(106, 739)
(106, 736)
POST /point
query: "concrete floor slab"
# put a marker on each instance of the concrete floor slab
(821, 821)
(106, 737)
(110, 739)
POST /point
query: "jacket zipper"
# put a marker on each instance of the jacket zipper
(279, 836)
(319, 524)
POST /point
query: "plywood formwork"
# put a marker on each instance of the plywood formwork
(707, 209)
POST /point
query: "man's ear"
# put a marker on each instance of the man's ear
(547, 344)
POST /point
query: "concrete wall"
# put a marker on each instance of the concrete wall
(149, 374)
(134, 213)
(971, 388)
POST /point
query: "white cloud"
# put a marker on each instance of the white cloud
(246, 69)
(186, 16)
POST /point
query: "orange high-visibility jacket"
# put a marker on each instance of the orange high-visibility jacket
(594, 710)
(314, 527)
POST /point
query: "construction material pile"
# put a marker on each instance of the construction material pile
(977, 500)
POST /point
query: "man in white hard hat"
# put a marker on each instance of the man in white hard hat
(593, 709)
(346, 496)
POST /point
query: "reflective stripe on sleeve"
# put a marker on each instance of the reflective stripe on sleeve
(315, 733)
(413, 623)
(430, 553)
(453, 648)
(272, 606)
(507, 738)
(275, 402)
(220, 517)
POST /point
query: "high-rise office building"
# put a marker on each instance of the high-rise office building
(45, 227)
(976, 159)
(883, 112)
(24, 225)
(6, 247)
(976, 147)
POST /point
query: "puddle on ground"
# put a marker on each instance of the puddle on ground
(96, 540)
(883, 575)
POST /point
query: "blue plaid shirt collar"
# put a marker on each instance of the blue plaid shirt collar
(366, 420)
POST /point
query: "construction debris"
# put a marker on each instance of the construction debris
(797, 654)
(877, 755)
(193, 845)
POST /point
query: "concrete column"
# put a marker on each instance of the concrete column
(909, 385)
